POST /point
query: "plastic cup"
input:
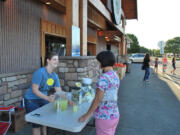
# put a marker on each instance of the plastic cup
(63, 104)
(75, 108)
(55, 104)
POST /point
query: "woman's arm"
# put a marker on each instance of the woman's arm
(35, 90)
(98, 97)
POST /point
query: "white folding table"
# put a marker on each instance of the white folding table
(66, 120)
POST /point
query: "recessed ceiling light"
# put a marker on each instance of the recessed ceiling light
(48, 3)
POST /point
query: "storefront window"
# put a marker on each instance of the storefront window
(56, 44)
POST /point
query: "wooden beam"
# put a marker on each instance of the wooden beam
(92, 39)
(99, 6)
(61, 2)
(94, 25)
(108, 33)
(72, 18)
(43, 51)
(119, 49)
(83, 5)
(121, 46)
(95, 18)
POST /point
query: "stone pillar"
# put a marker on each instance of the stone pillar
(83, 26)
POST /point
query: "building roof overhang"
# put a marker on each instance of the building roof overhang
(130, 9)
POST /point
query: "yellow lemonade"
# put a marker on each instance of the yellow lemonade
(63, 104)
(75, 108)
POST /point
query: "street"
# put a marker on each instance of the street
(151, 110)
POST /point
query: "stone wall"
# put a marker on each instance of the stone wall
(70, 70)
(13, 87)
(73, 69)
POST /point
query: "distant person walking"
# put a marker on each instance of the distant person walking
(164, 63)
(156, 65)
(173, 65)
(146, 64)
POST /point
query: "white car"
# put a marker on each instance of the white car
(138, 57)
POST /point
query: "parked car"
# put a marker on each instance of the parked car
(137, 57)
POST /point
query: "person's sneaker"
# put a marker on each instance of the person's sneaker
(147, 81)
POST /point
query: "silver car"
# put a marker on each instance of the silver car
(138, 57)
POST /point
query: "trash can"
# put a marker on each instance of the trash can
(128, 66)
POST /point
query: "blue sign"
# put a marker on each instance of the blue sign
(75, 41)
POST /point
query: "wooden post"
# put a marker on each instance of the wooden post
(125, 47)
(83, 26)
(72, 18)
(119, 45)
(43, 51)
(122, 44)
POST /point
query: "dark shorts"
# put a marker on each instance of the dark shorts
(33, 104)
(156, 66)
(174, 66)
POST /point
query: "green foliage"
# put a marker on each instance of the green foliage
(135, 47)
(144, 50)
(173, 46)
(156, 52)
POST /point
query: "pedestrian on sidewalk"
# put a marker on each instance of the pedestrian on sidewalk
(146, 64)
(105, 105)
(173, 65)
(156, 66)
(164, 63)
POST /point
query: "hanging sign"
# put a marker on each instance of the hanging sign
(116, 6)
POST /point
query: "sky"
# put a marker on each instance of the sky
(158, 20)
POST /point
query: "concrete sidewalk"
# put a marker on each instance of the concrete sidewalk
(154, 110)
(150, 110)
(175, 78)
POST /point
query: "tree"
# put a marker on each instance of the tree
(144, 50)
(135, 47)
(157, 52)
(173, 46)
